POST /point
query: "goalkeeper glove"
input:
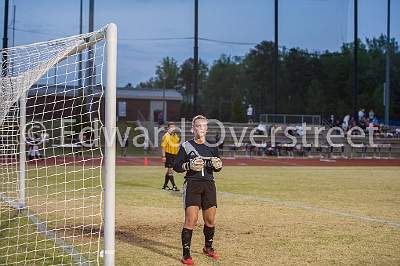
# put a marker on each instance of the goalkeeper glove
(196, 164)
(216, 163)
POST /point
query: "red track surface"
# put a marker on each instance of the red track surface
(276, 162)
(156, 161)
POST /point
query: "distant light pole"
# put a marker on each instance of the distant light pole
(164, 103)
(80, 85)
(4, 68)
(195, 55)
(90, 63)
(13, 27)
(355, 62)
(387, 83)
(91, 15)
(276, 61)
(13, 36)
(5, 26)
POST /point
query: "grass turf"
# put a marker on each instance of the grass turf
(266, 215)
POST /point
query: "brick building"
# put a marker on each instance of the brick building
(53, 102)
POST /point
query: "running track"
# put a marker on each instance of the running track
(275, 162)
(256, 161)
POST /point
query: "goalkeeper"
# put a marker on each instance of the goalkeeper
(199, 160)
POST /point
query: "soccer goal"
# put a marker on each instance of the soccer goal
(57, 151)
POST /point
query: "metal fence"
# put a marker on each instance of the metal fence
(290, 119)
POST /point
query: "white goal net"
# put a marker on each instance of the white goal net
(51, 156)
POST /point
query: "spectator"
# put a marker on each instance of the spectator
(371, 114)
(397, 132)
(300, 130)
(345, 124)
(373, 128)
(261, 129)
(299, 149)
(82, 142)
(375, 121)
(30, 151)
(160, 119)
(361, 114)
(352, 122)
(290, 132)
(332, 121)
(363, 123)
(249, 114)
(125, 145)
(271, 150)
(262, 148)
(33, 152)
(250, 148)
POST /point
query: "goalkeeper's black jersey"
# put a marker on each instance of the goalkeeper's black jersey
(190, 150)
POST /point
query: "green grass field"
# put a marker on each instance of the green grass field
(266, 216)
(65, 208)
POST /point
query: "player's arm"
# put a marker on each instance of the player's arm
(180, 161)
(216, 160)
(163, 144)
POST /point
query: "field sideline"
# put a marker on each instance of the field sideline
(267, 215)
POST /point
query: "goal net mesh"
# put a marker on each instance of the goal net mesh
(54, 215)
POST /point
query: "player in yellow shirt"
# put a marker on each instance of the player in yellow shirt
(170, 147)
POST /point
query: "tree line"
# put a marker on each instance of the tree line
(317, 83)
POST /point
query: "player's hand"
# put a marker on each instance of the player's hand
(164, 159)
(196, 164)
(216, 163)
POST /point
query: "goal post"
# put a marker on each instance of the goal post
(110, 130)
(57, 151)
(22, 151)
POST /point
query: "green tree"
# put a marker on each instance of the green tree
(223, 86)
(310, 83)
(167, 73)
(185, 84)
(258, 69)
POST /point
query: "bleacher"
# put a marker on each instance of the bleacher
(237, 143)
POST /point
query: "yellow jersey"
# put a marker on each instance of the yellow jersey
(170, 143)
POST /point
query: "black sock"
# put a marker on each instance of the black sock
(186, 240)
(171, 178)
(166, 180)
(208, 236)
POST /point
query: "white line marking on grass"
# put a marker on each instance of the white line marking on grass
(286, 204)
(13, 203)
(42, 228)
(302, 206)
(78, 258)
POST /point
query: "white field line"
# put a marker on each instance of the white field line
(310, 208)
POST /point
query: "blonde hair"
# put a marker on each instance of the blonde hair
(198, 117)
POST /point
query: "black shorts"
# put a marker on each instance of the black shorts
(169, 160)
(199, 193)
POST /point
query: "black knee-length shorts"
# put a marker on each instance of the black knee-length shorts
(169, 160)
(201, 193)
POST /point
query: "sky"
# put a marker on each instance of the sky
(149, 30)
